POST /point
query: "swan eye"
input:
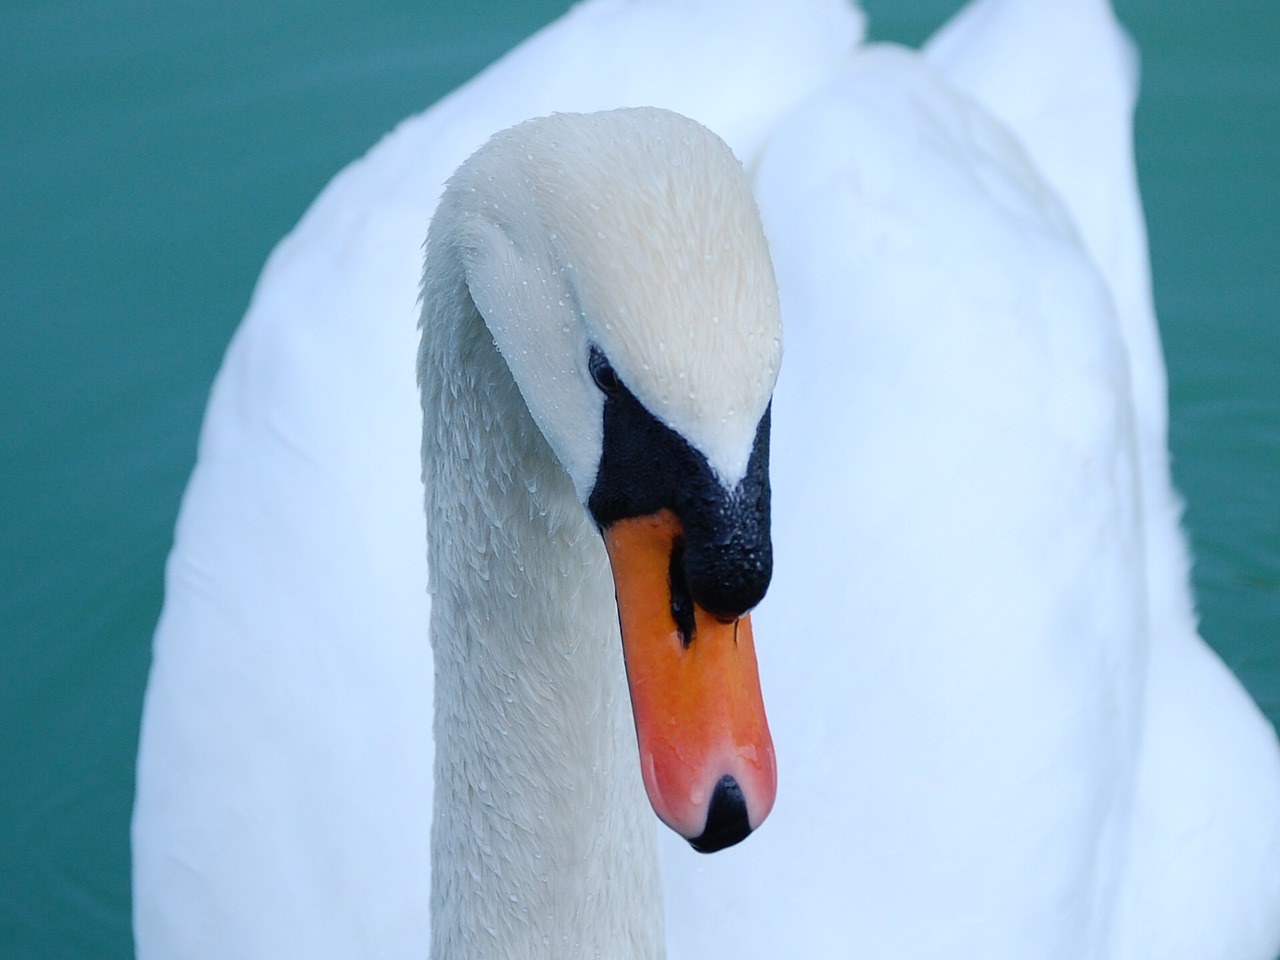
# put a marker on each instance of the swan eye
(602, 373)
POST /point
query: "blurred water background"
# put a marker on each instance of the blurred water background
(152, 153)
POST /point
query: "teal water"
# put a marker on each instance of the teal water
(150, 156)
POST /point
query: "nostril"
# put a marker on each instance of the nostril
(681, 599)
(727, 821)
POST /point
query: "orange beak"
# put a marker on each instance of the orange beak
(705, 750)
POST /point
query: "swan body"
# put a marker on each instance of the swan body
(976, 490)
(998, 733)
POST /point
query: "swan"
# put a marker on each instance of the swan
(997, 732)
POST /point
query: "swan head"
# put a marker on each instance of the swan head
(620, 265)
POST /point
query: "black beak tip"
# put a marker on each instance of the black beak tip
(727, 821)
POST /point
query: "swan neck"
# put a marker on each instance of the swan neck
(542, 840)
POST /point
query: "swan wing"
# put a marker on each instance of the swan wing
(953, 643)
(1208, 783)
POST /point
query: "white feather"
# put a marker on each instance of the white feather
(998, 732)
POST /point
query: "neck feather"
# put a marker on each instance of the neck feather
(542, 841)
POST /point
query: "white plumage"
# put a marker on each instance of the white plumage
(998, 732)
